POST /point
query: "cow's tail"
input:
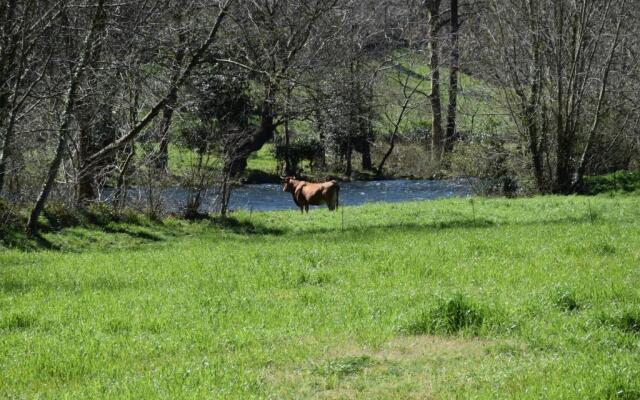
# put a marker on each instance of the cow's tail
(337, 196)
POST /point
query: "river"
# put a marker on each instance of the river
(269, 197)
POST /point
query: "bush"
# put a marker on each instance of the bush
(100, 214)
(302, 148)
(621, 181)
(9, 219)
(60, 216)
(501, 169)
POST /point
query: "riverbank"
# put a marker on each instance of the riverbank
(483, 298)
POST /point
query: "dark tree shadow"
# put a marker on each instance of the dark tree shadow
(463, 223)
(133, 233)
(245, 227)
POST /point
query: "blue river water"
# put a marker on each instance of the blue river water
(268, 197)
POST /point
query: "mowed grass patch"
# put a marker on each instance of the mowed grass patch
(524, 298)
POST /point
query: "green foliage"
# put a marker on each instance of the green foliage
(9, 218)
(621, 181)
(302, 148)
(100, 213)
(498, 165)
(59, 215)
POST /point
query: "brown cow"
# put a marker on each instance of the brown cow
(306, 193)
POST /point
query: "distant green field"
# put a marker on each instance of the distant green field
(480, 108)
(181, 160)
(487, 298)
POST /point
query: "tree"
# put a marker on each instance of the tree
(556, 74)
(437, 134)
(23, 64)
(274, 48)
(454, 68)
(120, 142)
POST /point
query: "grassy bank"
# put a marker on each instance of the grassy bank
(527, 298)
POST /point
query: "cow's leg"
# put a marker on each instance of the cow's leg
(306, 208)
(332, 202)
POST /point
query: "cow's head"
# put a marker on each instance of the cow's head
(287, 184)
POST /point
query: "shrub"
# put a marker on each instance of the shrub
(9, 219)
(100, 214)
(301, 148)
(621, 181)
(60, 216)
(498, 165)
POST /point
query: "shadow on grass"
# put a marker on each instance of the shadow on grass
(19, 241)
(463, 223)
(245, 227)
(140, 234)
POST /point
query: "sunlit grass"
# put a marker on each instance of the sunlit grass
(526, 298)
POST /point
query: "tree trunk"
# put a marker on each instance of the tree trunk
(392, 145)
(437, 139)
(8, 97)
(7, 142)
(260, 137)
(121, 183)
(349, 154)
(32, 223)
(288, 168)
(84, 188)
(454, 68)
(162, 159)
(287, 156)
(586, 153)
(531, 107)
(158, 107)
(367, 164)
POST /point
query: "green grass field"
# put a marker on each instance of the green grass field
(490, 298)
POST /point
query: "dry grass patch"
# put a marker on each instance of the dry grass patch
(415, 367)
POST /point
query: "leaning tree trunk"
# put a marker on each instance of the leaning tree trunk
(66, 121)
(586, 153)
(437, 139)
(259, 138)
(454, 68)
(129, 136)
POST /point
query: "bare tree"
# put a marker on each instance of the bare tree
(117, 144)
(437, 134)
(555, 75)
(454, 68)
